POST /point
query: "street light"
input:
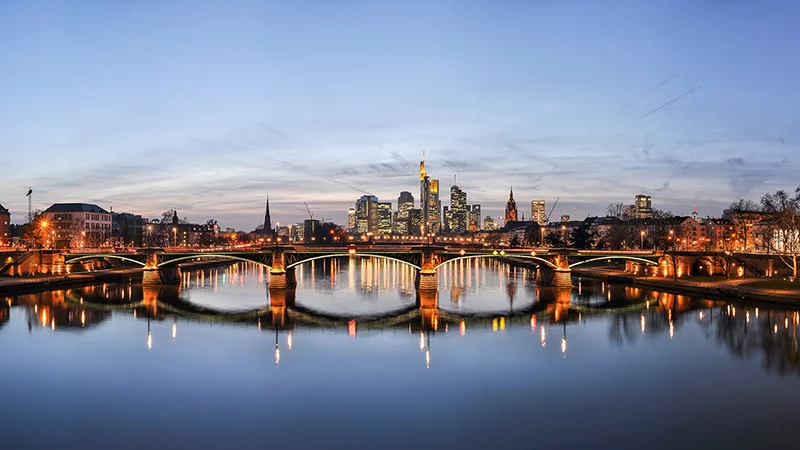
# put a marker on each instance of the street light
(175, 236)
(641, 245)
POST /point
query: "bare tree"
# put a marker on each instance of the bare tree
(784, 210)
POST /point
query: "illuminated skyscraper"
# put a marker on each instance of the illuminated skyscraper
(643, 208)
(351, 220)
(384, 217)
(511, 208)
(429, 201)
(367, 214)
(538, 212)
(457, 217)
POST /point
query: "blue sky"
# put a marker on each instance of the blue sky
(146, 105)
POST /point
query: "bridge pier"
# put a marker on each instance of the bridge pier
(280, 277)
(154, 275)
(558, 276)
(426, 276)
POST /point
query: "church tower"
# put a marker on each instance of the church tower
(267, 221)
(511, 208)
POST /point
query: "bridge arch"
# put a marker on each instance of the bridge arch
(210, 255)
(625, 257)
(337, 255)
(489, 255)
(101, 256)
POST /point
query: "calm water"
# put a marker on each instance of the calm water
(353, 361)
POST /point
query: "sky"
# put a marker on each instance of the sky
(208, 106)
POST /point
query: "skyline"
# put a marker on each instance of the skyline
(145, 106)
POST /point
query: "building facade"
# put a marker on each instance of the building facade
(511, 208)
(538, 212)
(384, 218)
(430, 204)
(70, 225)
(5, 226)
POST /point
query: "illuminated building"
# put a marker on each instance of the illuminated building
(474, 213)
(457, 215)
(351, 220)
(405, 203)
(538, 212)
(429, 202)
(415, 222)
(488, 223)
(643, 208)
(5, 224)
(511, 208)
(367, 214)
(384, 217)
(71, 223)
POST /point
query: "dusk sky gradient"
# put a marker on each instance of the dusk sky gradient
(207, 106)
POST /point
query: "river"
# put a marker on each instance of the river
(354, 358)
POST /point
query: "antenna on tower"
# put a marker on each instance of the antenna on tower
(30, 196)
(454, 179)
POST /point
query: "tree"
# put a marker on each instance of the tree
(743, 213)
(533, 234)
(583, 237)
(784, 210)
(515, 241)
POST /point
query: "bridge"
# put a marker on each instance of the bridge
(553, 265)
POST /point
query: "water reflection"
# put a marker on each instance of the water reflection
(331, 297)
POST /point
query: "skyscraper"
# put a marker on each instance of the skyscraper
(538, 212)
(429, 201)
(474, 217)
(351, 220)
(643, 208)
(367, 214)
(511, 208)
(405, 203)
(384, 217)
(457, 219)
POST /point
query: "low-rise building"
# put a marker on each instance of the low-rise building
(70, 225)
(5, 226)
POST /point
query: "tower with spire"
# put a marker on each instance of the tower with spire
(267, 221)
(511, 207)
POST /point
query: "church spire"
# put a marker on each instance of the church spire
(267, 220)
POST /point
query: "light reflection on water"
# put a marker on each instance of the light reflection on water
(499, 351)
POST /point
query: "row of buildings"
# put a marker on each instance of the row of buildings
(371, 216)
(78, 225)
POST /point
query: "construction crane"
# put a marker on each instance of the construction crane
(309, 211)
(551, 209)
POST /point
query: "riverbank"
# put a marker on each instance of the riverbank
(27, 285)
(717, 289)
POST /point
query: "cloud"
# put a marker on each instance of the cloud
(738, 160)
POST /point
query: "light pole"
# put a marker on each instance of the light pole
(641, 242)
(175, 236)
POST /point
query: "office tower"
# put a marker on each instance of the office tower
(642, 205)
(351, 220)
(538, 212)
(367, 214)
(384, 217)
(474, 217)
(457, 219)
(405, 203)
(429, 201)
(488, 223)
